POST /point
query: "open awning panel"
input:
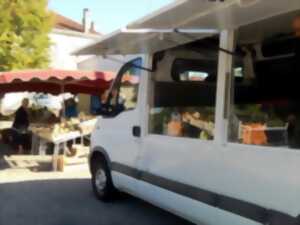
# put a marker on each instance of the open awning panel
(186, 14)
(125, 42)
(229, 14)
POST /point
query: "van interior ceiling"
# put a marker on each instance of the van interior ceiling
(265, 81)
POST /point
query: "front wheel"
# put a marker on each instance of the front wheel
(102, 182)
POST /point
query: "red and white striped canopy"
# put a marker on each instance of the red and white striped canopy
(54, 81)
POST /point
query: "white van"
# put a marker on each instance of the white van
(206, 123)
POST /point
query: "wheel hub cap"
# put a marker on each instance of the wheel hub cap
(100, 180)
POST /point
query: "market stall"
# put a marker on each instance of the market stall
(55, 81)
(53, 130)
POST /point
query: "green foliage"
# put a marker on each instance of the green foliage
(24, 30)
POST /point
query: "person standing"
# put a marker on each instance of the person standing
(71, 108)
(21, 125)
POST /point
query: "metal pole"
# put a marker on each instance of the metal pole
(168, 31)
(62, 91)
(223, 87)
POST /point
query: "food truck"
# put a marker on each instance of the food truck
(209, 131)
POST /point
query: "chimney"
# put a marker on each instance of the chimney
(86, 20)
(92, 27)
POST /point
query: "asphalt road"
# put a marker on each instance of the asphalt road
(71, 202)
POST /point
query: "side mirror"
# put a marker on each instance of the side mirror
(106, 110)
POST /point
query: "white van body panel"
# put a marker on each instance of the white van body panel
(114, 136)
(232, 170)
(125, 183)
(194, 211)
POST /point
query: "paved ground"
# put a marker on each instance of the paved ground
(48, 198)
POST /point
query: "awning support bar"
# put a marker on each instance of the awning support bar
(185, 32)
(172, 30)
(193, 39)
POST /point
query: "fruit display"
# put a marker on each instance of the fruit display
(84, 117)
(65, 127)
(86, 127)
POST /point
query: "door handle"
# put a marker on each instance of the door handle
(136, 131)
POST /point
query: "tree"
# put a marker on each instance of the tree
(24, 34)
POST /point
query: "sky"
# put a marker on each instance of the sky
(108, 15)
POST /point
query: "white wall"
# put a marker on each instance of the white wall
(66, 42)
(62, 48)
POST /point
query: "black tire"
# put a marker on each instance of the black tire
(103, 189)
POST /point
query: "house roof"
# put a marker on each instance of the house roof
(64, 23)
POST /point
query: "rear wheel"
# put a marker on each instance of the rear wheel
(101, 181)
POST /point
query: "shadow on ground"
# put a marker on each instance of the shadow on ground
(4, 150)
(71, 202)
(30, 164)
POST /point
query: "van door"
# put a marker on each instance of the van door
(181, 167)
(178, 152)
(120, 124)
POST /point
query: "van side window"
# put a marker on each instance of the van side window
(188, 70)
(263, 111)
(124, 94)
(185, 106)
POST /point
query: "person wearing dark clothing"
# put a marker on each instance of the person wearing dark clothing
(21, 121)
(20, 127)
(71, 108)
(96, 104)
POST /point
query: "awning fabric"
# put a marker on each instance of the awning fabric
(55, 81)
